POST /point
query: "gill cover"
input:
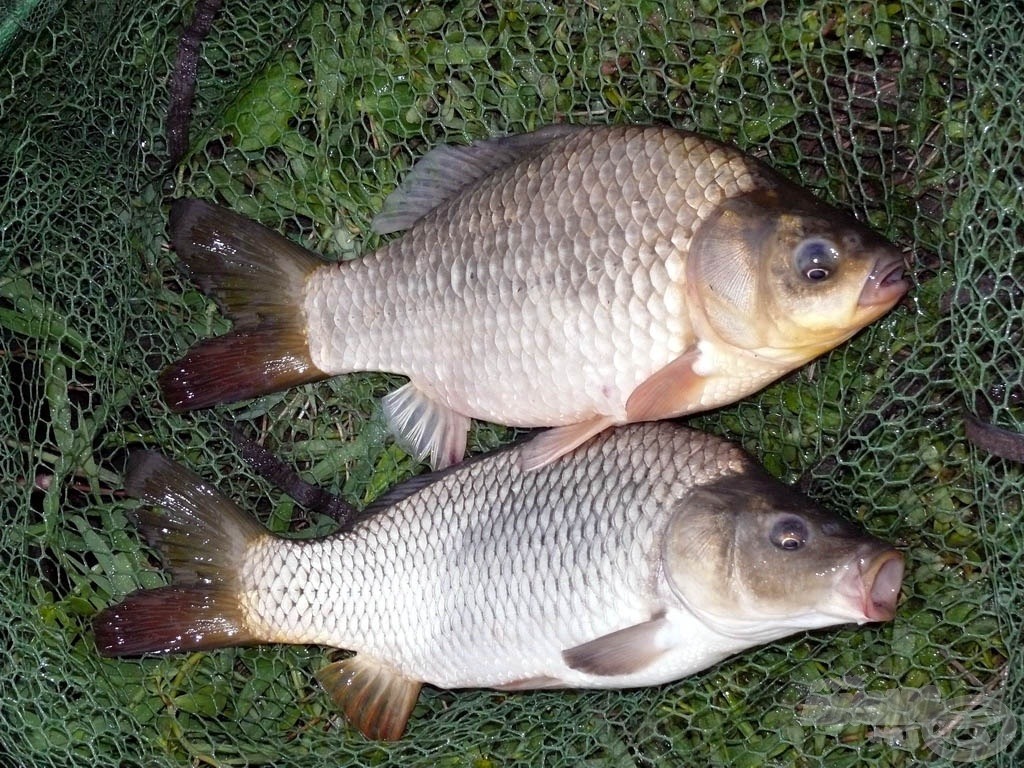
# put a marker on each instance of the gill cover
(777, 268)
(723, 267)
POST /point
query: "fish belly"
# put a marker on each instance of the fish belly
(454, 629)
(549, 347)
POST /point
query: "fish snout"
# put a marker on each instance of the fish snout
(880, 582)
(886, 284)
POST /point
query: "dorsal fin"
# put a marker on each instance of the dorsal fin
(446, 171)
(415, 484)
(412, 485)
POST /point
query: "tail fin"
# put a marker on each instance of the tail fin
(171, 619)
(258, 279)
(203, 538)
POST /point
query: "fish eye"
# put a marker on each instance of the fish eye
(789, 533)
(815, 259)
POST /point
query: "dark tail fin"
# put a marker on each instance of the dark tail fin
(171, 619)
(258, 279)
(203, 538)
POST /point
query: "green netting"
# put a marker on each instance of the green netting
(909, 113)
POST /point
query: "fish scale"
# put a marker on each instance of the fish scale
(651, 552)
(575, 277)
(433, 329)
(498, 544)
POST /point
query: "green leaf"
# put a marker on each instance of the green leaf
(262, 114)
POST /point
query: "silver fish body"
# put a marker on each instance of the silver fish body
(576, 277)
(650, 553)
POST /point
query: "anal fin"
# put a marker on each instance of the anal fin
(672, 391)
(424, 427)
(553, 443)
(375, 699)
(623, 652)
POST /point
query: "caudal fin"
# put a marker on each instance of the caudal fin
(258, 278)
(203, 538)
(171, 619)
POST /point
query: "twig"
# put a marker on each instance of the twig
(183, 78)
(285, 478)
(1004, 443)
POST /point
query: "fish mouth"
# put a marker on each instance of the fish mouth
(886, 284)
(880, 584)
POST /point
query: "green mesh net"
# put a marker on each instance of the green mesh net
(306, 114)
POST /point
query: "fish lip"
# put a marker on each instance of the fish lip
(880, 583)
(885, 284)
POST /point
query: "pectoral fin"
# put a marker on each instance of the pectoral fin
(672, 391)
(623, 652)
(424, 427)
(552, 443)
(375, 699)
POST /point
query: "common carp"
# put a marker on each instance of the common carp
(574, 277)
(651, 552)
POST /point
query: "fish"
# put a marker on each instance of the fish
(576, 277)
(650, 553)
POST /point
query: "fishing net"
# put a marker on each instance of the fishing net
(305, 116)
